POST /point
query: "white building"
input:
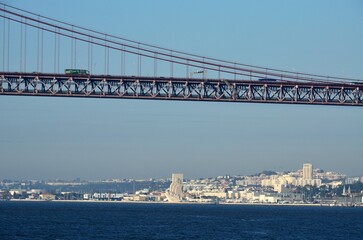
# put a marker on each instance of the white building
(216, 193)
(278, 181)
(307, 178)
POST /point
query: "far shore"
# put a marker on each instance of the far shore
(203, 203)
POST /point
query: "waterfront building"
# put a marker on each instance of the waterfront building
(269, 198)
(47, 196)
(87, 196)
(218, 194)
(106, 196)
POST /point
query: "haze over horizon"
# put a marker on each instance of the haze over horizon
(67, 138)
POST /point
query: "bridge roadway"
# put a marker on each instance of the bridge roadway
(160, 88)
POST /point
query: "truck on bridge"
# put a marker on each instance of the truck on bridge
(76, 71)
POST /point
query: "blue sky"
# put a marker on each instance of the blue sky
(48, 138)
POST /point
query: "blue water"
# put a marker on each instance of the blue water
(62, 220)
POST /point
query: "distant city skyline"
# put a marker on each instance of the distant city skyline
(303, 186)
(58, 138)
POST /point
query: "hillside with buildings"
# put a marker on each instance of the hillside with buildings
(304, 186)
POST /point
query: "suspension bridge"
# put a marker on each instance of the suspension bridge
(89, 63)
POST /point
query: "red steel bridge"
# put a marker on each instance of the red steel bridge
(36, 50)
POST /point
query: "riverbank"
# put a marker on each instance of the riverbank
(196, 203)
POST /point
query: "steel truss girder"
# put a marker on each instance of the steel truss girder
(349, 94)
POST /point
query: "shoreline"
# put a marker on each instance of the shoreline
(188, 203)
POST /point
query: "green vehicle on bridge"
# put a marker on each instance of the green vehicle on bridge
(76, 71)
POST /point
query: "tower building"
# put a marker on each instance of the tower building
(308, 171)
(307, 177)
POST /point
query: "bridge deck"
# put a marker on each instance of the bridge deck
(134, 87)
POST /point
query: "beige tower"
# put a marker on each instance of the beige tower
(308, 171)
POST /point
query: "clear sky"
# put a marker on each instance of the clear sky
(49, 138)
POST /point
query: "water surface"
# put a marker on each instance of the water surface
(70, 220)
